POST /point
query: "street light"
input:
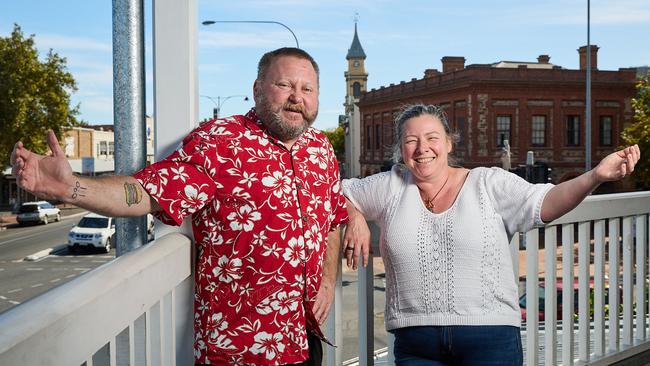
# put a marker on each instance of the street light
(210, 22)
(220, 101)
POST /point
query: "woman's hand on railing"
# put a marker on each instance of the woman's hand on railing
(356, 241)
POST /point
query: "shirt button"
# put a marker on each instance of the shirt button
(298, 185)
(304, 218)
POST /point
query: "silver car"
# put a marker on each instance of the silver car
(37, 212)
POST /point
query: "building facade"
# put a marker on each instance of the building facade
(90, 151)
(532, 106)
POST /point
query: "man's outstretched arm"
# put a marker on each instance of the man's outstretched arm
(51, 177)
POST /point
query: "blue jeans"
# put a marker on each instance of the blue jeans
(458, 345)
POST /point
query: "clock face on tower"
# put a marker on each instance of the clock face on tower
(355, 63)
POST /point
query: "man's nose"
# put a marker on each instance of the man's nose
(296, 96)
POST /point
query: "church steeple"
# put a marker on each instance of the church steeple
(356, 80)
(356, 51)
(356, 76)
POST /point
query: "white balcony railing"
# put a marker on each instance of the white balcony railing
(135, 310)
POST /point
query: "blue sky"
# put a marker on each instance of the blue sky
(400, 38)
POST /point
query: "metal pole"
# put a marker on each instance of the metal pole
(588, 96)
(129, 109)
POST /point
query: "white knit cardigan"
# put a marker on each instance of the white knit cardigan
(451, 268)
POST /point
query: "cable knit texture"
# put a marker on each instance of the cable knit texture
(454, 267)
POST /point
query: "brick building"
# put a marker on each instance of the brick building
(536, 106)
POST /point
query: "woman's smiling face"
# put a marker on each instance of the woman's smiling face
(425, 147)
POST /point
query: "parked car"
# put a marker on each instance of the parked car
(37, 212)
(558, 287)
(95, 231)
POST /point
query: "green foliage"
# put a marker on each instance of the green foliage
(639, 132)
(34, 95)
(337, 139)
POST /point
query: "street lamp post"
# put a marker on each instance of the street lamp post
(210, 22)
(220, 101)
(588, 96)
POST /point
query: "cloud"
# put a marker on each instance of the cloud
(67, 43)
(249, 39)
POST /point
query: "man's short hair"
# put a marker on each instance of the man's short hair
(271, 56)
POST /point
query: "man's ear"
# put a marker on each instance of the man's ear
(256, 84)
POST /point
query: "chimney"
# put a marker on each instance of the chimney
(452, 63)
(429, 73)
(583, 57)
(543, 59)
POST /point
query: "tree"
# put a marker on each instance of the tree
(34, 95)
(337, 139)
(639, 131)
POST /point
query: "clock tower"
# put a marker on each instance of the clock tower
(356, 79)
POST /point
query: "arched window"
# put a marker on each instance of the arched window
(356, 90)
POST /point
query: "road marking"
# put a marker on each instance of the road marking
(14, 290)
(98, 261)
(55, 280)
(2, 269)
(28, 236)
(34, 269)
(70, 276)
(82, 269)
(37, 285)
(2, 297)
(14, 302)
(57, 261)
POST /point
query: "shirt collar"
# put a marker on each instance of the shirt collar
(255, 124)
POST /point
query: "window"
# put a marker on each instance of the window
(368, 141)
(503, 129)
(103, 148)
(460, 127)
(356, 90)
(111, 148)
(377, 137)
(606, 130)
(538, 137)
(573, 130)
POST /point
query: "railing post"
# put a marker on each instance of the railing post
(176, 110)
(532, 297)
(335, 322)
(584, 311)
(567, 294)
(614, 260)
(628, 268)
(550, 292)
(599, 288)
(365, 296)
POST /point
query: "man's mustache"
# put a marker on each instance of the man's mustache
(297, 107)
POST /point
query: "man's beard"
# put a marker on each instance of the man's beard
(277, 126)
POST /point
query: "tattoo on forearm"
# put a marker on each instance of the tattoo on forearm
(78, 191)
(133, 193)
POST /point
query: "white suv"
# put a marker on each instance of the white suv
(37, 212)
(92, 231)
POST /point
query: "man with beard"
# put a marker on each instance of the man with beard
(265, 199)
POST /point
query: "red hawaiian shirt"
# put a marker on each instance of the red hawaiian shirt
(260, 215)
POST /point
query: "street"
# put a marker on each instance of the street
(21, 280)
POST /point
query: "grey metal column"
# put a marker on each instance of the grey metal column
(129, 109)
